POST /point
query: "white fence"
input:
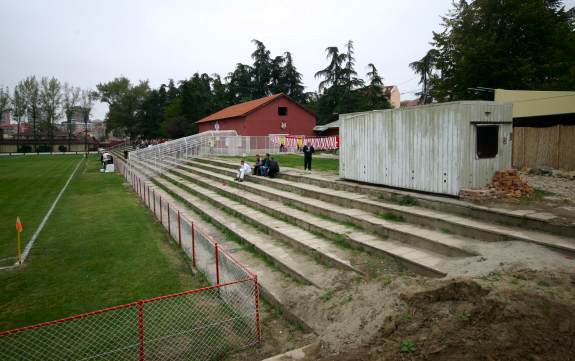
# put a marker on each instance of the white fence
(226, 143)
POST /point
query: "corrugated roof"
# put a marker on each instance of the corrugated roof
(239, 110)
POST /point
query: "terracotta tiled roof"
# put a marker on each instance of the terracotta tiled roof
(239, 110)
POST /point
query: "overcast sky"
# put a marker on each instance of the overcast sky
(88, 42)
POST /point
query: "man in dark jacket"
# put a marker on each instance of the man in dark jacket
(274, 168)
(307, 152)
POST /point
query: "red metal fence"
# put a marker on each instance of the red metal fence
(201, 324)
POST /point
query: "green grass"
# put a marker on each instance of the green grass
(391, 217)
(29, 186)
(296, 161)
(538, 195)
(100, 248)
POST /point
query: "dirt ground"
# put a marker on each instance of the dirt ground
(513, 315)
(552, 195)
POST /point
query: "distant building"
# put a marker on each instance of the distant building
(276, 114)
(328, 129)
(392, 94)
(409, 103)
(6, 118)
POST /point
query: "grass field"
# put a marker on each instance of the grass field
(100, 248)
(29, 185)
(296, 161)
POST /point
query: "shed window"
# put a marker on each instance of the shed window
(282, 110)
(487, 141)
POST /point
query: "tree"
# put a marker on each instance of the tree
(340, 90)
(277, 76)
(513, 44)
(239, 84)
(71, 97)
(20, 109)
(261, 70)
(332, 74)
(30, 91)
(51, 101)
(86, 102)
(4, 103)
(125, 103)
(425, 69)
(292, 79)
(374, 97)
(4, 99)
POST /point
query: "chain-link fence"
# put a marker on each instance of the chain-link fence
(202, 324)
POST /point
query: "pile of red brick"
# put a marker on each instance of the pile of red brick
(505, 184)
(510, 183)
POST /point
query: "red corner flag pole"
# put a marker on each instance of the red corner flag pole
(19, 244)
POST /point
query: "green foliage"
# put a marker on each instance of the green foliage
(407, 201)
(327, 295)
(407, 346)
(514, 44)
(391, 217)
(342, 91)
(465, 316)
(125, 114)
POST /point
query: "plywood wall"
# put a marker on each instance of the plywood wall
(544, 147)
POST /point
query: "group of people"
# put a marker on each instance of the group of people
(267, 167)
(144, 143)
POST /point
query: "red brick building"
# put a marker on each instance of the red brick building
(275, 114)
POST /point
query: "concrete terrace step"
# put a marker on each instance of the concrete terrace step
(524, 219)
(485, 231)
(420, 260)
(297, 265)
(294, 236)
(422, 237)
(275, 286)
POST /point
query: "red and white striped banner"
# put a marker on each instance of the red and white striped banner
(319, 143)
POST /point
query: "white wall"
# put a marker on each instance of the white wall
(429, 148)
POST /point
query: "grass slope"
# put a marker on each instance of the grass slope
(100, 248)
(296, 161)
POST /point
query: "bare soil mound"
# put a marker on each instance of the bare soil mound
(521, 315)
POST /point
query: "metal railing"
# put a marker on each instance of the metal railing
(225, 143)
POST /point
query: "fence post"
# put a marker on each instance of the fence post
(193, 245)
(169, 223)
(179, 230)
(161, 215)
(154, 201)
(217, 263)
(149, 197)
(257, 295)
(141, 328)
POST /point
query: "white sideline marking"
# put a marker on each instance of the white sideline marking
(48, 214)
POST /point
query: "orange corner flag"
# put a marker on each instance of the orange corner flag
(18, 225)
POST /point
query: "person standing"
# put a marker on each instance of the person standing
(307, 152)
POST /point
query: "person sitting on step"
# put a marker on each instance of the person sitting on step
(274, 168)
(265, 165)
(244, 169)
(257, 165)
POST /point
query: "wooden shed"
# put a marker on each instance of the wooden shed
(438, 148)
